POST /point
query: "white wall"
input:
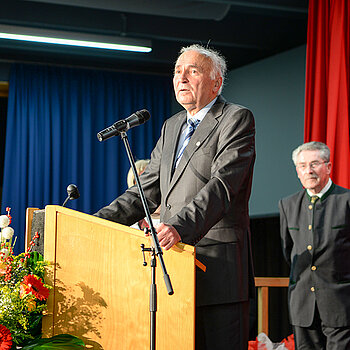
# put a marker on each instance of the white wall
(273, 89)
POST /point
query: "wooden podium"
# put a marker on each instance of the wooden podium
(101, 288)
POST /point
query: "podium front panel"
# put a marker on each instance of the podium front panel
(101, 290)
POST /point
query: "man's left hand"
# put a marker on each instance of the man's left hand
(167, 236)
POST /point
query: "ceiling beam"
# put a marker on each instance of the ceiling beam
(258, 5)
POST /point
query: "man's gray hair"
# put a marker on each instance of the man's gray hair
(218, 61)
(312, 146)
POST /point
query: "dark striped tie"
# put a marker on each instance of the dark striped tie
(191, 127)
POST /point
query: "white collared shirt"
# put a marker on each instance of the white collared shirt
(199, 116)
(323, 191)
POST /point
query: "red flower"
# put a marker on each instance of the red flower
(33, 285)
(5, 338)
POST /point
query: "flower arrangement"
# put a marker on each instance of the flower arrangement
(23, 297)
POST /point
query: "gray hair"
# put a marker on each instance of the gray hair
(312, 146)
(218, 61)
(140, 168)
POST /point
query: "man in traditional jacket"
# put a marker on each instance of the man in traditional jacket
(315, 232)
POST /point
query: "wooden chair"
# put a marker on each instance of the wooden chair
(263, 284)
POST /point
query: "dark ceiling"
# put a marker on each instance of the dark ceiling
(243, 31)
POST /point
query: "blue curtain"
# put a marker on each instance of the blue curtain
(54, 114)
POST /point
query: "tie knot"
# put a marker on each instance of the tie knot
(192, 123)
(314, 199)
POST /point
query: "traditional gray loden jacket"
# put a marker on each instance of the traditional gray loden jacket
(316, 245)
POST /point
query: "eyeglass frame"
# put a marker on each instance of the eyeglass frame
(313, 165)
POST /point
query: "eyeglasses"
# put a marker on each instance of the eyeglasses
(313, 165)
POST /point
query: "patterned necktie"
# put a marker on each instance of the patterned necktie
(191, 127)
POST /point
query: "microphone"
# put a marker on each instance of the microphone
(73, 193)
(123, 125)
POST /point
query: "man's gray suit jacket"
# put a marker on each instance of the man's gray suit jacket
(205, 198)
(316, 244)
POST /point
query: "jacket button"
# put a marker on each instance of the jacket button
(168, 206)
(313, 268)
(310, 206)
(309, 247)
(310, 227)
(312, 289)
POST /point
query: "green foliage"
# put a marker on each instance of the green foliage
(36, 264)
(58, 342)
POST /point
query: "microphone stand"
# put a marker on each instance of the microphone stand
(156, 250)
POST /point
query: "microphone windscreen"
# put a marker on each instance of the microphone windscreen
(72, 191)
(143, 115)
(138, 118)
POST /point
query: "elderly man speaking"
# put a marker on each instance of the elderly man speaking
(200, 173)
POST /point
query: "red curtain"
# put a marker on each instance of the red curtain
(327, 111)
